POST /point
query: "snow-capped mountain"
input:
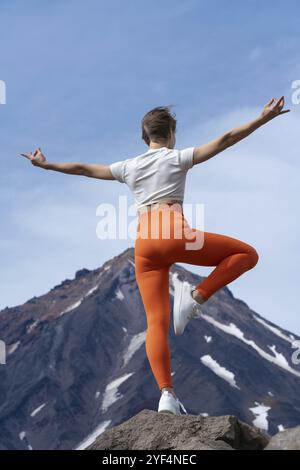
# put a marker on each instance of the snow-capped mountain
(76, 363)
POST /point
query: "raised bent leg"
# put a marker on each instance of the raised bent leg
(153, 283)
(232, 257)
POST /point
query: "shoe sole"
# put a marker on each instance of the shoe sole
(177, 305)
(167, 411)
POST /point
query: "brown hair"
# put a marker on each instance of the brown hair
(157, 124)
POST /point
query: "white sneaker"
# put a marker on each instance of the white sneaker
(168, 403)
(185, 307)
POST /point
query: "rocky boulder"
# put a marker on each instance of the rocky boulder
(150, 430)
(285, 440)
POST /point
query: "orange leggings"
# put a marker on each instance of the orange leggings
(156, 250)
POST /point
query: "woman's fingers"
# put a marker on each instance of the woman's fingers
(281, 106)
(274, 108)
(270, 102)
(280, 102)
(27, 155)
(32, 155)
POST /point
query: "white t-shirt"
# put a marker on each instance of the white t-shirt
(158, 175)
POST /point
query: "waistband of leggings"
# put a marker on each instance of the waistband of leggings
(161, 206)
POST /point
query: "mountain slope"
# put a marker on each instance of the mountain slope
(76, 362)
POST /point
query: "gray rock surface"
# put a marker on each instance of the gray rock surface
(149, 430)
(285, 440)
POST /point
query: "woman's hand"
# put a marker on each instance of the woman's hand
(37, 158)
(274, 108)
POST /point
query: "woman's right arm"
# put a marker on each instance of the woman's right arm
(37, 158)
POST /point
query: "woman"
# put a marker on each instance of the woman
(157, 180)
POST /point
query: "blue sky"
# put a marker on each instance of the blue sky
(81, 75)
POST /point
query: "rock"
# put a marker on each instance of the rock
(150, 430)
(81, 273)
(285, 440)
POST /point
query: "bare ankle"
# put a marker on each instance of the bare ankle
(197, 296)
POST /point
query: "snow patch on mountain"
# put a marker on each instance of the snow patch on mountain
(13, 347)
(233, 330)
(220, 371)
(23, 436)
(111, 394)
(207, 338)
(119, 295)
(37, 410)
(135, 343)
(78, 302)
(261, 413)
(93, 436)
(71, 307)
(274, 330)
(31, 327)
(131, 262)
(93, 289)
(279, 357)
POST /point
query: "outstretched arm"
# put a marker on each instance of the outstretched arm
(272, 109)
(37, 158)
